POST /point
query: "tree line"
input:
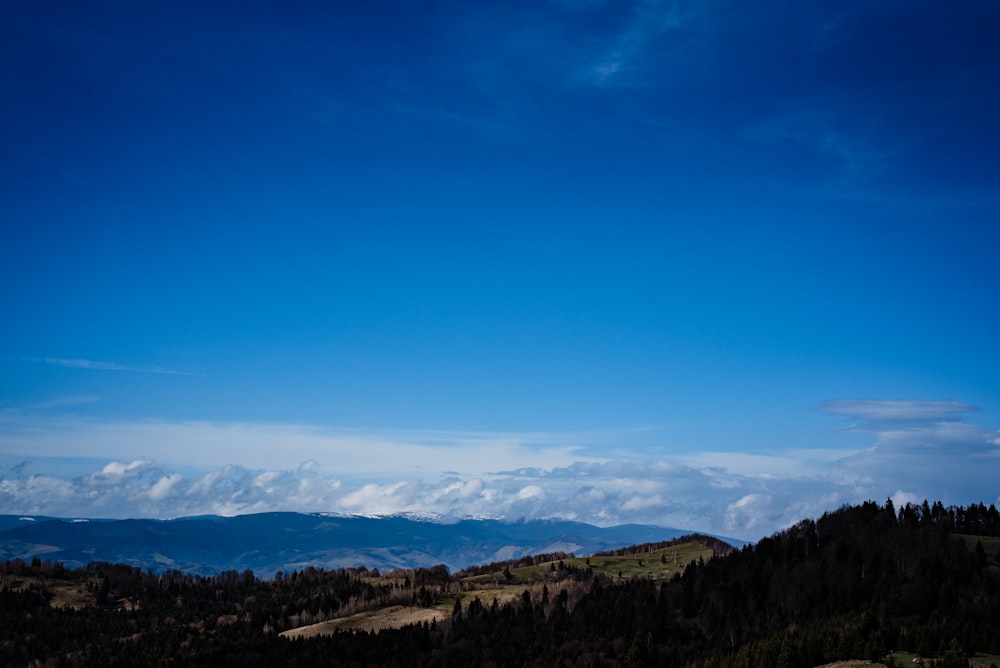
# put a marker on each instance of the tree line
(853, 584)
(718, 546)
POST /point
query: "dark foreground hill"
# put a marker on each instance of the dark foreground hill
(854, 584)
(270, 542)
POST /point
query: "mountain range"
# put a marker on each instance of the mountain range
(269, 542)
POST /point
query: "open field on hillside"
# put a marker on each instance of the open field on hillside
(64, 593)
(659, 564)
(990, 543)
(374, 620)
(397, 616)
(977, 661)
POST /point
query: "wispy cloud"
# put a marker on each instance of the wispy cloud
(881, 410)
(651, 20)
(77, 363)
(56, 403)
(352, 452)
(842, 133)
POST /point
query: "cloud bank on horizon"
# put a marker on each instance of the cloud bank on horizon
(933, 454)
(710, 264)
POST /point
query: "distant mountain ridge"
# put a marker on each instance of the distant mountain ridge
(269, 542)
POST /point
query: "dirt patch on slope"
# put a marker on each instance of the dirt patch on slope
(392, 617)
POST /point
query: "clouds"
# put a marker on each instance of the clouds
(106, 366)
(615, 492)
(272, 446)
(839, 141)
(883, 410)
(162, 488)
(748, 511)
(849, 101)
(921, 449)
(141, 488)
(651, 20)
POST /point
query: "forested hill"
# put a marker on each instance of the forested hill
(269, 542)
(853, 584)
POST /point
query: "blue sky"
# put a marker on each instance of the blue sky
(716, 265)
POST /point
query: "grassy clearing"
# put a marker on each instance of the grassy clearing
(396, 616)
(71, 595)
(907, 658)
(990, 543)
(659, 564)
(392, 617)
(977, 661)
(64, 593)
(503, 594)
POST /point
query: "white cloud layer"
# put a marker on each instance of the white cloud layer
(138, 470)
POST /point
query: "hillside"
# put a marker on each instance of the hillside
(864, 583)
(507, 581)
(270, 542)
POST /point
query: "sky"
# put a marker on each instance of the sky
(710, 265)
